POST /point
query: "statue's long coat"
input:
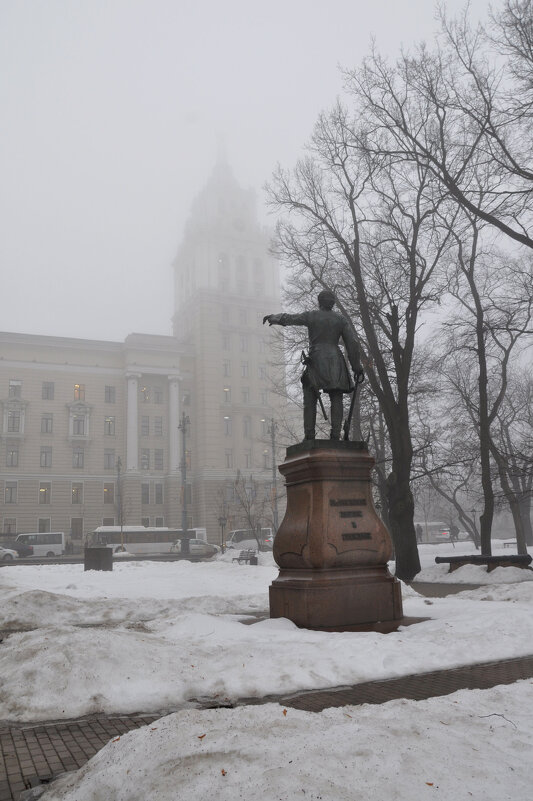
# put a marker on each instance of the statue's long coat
(326, 368)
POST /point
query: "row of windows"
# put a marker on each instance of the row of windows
(149, 394)
(108, 493)
(48, 391)
(226, 341)
(239, 316)
(76, 525)
(246, 426)
(78, 457)
(244, 369)
(78, 423)
(229, 460)
(245, 396)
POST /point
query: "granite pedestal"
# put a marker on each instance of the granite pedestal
(332, 548)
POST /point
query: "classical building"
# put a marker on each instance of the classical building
(89, 427)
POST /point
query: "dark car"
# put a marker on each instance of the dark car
(22, 548)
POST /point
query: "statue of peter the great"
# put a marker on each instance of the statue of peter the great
(325, 366)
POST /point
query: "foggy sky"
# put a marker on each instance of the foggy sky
(112, 111)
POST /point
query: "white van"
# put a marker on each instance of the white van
(244, 539)
(48, 543)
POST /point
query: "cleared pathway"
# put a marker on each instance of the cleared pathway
(32, 754)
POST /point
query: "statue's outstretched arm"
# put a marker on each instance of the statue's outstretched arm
(286, 319)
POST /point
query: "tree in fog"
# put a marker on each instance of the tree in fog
(462, 108)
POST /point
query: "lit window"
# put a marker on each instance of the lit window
(109, 426)
(45, 490)
(79, 392)
(109, 493)
(77, 492)
(227, 395)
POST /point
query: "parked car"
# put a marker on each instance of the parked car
(22, 548)
(196, 548)
(244, 539)
(7, 555)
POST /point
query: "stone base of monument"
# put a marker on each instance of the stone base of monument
(332, 548)
(356, 599)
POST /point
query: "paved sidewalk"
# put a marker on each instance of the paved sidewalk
(32, 754)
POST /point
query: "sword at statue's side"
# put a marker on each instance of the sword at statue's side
(305, 359)
(359, 378)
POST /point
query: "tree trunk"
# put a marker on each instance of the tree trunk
(525, 513)
(401, 504)
(512, 500)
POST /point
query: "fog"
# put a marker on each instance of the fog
(113, 113)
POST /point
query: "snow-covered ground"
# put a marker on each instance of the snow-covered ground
(150, 636)
(473, 744)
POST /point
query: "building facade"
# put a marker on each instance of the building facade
(92, 430)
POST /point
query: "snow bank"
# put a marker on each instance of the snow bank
(472, 744)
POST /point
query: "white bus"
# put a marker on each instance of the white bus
(48, 543)
(141, 539)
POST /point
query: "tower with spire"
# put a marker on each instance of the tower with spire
(225, 281)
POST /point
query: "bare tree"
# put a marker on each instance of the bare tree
(463, 107)
(368, 231)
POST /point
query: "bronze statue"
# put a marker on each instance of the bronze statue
(325, 367)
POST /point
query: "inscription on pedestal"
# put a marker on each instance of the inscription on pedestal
(347, 501)
(357, 535)
(355, 513)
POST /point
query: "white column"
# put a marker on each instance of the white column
(132, 425)
(173, 422)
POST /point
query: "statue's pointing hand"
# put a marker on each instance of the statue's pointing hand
(273, 319)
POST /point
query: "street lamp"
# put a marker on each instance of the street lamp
(272, 428)
(119, 503)
(222, 523)
(185, 422)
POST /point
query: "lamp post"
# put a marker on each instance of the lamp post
(222, 520)
(184, 423)
(272, 428)
(119, 503)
